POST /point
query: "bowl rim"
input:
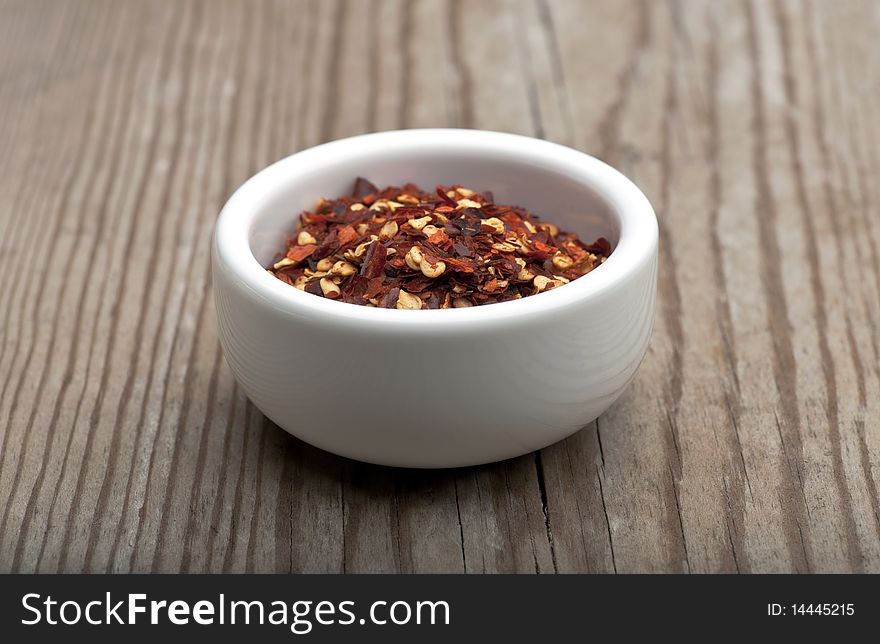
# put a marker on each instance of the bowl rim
(637, 243)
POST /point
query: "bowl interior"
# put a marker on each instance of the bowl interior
(548, 190)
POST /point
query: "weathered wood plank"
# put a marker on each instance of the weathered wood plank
(750, 438)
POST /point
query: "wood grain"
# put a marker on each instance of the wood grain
(750, 439)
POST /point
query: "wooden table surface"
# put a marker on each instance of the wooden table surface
(750, 439)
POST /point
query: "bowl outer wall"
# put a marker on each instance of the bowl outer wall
(441, 399)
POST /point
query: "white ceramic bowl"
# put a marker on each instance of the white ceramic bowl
(437, 388)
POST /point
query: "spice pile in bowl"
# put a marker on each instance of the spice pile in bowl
(409, 249)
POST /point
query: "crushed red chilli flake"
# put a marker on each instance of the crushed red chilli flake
(409, 249)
